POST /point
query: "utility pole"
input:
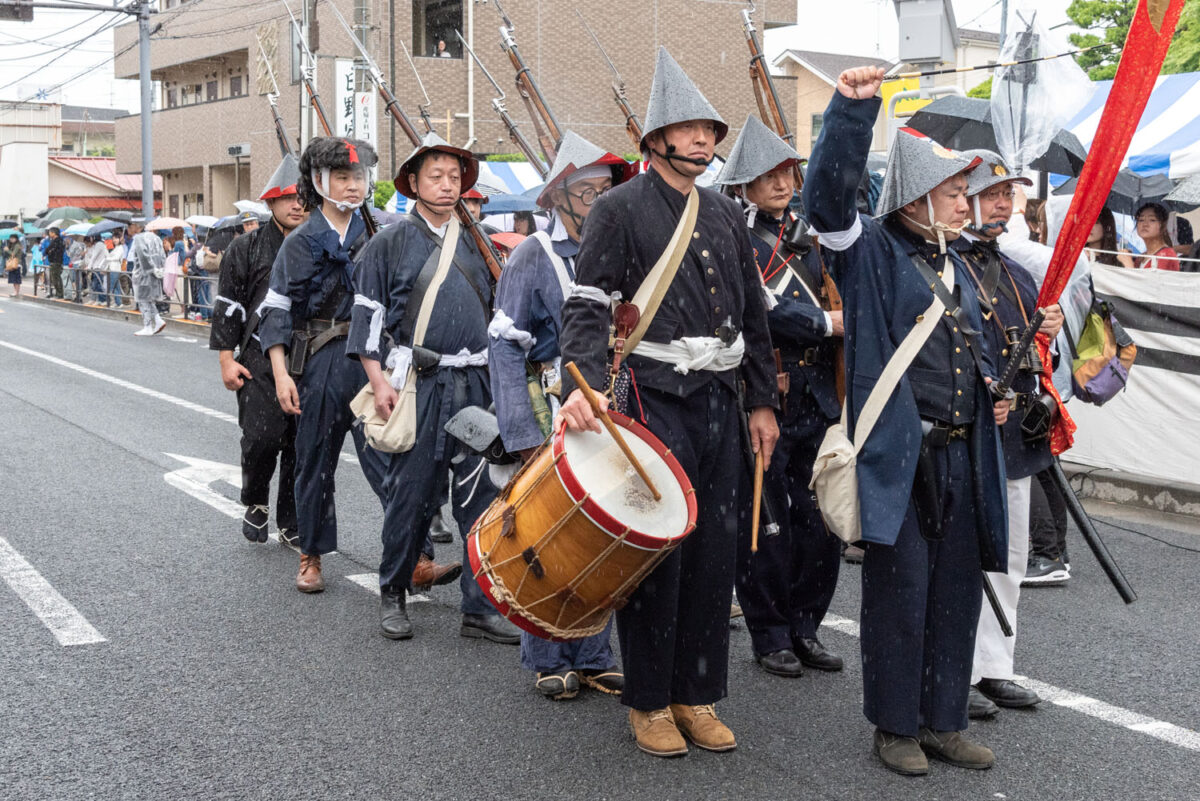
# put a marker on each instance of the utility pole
(305, 65)
(143, 15)
(1003, 21)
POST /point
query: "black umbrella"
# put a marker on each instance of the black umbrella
(1129, 191)
(965, 123)
(73, 213)
(119, 216)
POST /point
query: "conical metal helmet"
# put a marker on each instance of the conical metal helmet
(283, 180)
(915, 166)
(574, 154)
(431, 141)
(674, 98)
(992, 170)
(757, 151)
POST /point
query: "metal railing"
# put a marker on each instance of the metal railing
(192, 297)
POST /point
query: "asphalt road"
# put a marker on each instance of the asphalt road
(210, 677)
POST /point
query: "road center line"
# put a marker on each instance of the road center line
(1134, 721)
(56, 612)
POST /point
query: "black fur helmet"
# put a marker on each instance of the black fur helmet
(334, 153)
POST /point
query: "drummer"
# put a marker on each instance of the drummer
(523, 348)
(674, 630)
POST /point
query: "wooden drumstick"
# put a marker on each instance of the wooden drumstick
(757, 509)
(612, 428)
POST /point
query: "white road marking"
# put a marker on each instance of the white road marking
(199, 473)
(153, 393)
(370, 582)
(187, 340)
(1134, 721)
(56, 612)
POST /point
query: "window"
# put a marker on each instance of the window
(235, 86)
(172, 100)
(183, 95)
(434, 22)
(210, 91)
(196, 96)
(173, 205)
(817, 121)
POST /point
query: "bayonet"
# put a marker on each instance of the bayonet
(285, 144)
(633, 126)
(549, 134)
(422, 108)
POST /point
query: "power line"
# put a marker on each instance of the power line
(108, 25)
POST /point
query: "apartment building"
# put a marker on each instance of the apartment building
(213, 134)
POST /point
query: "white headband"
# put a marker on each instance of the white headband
(588, 172)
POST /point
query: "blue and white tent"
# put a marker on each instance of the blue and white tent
(495, 178)
(1168, 136)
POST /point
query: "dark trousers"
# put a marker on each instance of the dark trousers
(330, 382)
(56, 280)
(268, 436)
(920, 607)
(674, 632)
(785, 589)
(1047, 517)
(417, 483)
(589, 653)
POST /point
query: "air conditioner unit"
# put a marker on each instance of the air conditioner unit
(240, 150)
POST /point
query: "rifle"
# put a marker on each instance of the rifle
(633, 126)
(514, 133)
(306, 76)
(486, 249)
(285, 144)
(535, 101)
(422, 108)
(769, 107)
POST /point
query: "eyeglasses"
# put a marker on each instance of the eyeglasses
(588, 196)
(996, 193)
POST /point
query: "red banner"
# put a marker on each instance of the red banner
(1145, 48)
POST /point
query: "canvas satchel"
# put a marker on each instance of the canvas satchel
(835, 471)
(398, 433)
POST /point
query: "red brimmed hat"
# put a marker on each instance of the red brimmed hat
(283, 180)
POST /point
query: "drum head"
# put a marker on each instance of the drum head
(601, 470)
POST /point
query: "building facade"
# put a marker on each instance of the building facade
(213, 134)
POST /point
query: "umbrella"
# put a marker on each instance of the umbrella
(78, 229)
(31, 229)
(166, 224)
(1129, 191)
(507, 204)
(119, 216)
(9, 224)
(1184, 197)
(104, 226)
(55, 223)
(72, 213)
(202, 220)
(965, 123)
(232, 221)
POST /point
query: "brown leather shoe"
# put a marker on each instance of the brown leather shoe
(429, 573)
(309, 579)
(656, 734)
(700, 725)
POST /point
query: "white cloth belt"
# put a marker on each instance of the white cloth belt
(274, 300)
(594, 293)
(695, 353)
(400, 359)
(232, 306)
(376, 330)
(840, 240)
(503, 327)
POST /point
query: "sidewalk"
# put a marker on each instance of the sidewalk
(1128, 489)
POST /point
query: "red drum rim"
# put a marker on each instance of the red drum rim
(603, 519)
(485, 584)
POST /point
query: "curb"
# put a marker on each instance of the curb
(1128, 489)
(178, 326)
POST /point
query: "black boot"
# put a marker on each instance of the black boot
(393, 617)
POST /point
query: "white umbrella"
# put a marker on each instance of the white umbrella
(201, 220)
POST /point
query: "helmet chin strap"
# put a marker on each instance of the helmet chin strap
(670, 157)
(938, 228)
(985, 228)
(322, 186)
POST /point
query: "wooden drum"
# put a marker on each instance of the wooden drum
(576, 530)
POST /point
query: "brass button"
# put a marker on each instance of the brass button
(712, 290)
(958, 350)
(704, 253)
(1004, 352)
(995, 301)
(796, 293)
(696, 235)
(956, 414)
(710, 270)
(956, 329)
(939, 273)
(920, 317)
(960, 392)
(958, 370)
(717, 309)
